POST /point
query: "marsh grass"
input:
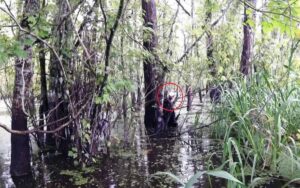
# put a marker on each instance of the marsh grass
(260, 128)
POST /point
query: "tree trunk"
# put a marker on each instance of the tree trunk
(189, 98)
(210, 87)
(200, 95)
(139, 90)
(245, 65)
(43, 111)
(209, 40)
(152, 76)
(58, 103)
(124, 96)
(20, 149)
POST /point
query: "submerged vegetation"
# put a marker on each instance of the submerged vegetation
(148, 93)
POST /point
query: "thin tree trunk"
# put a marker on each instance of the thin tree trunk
(209, 39)
(20, 149)
(189, 98)
(124, 96)
(109, 43)
(139, 90)
(209, 49)
(43, 110)
(245, 66)
(200, 95)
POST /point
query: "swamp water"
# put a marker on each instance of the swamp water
(182, 156)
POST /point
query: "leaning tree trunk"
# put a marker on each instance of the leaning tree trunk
(152, 76)
(245, 65)
(20, 150)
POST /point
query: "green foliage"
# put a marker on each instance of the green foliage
(78, 177)
(194, 179)
(13, 48)
(260, 115)
(112, 87)
(73, 153)
(259, 121)
(282, 15)
(3, 49)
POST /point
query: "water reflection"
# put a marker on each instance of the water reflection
(183, 156)
(5, 180)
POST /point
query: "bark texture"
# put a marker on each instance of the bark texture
(152, 75)
(21, 104)
(43, 110)
(245, 66)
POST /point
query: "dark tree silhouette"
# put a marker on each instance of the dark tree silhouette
(152, 75)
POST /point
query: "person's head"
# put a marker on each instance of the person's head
(171, 94)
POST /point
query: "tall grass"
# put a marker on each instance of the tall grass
(260, 127)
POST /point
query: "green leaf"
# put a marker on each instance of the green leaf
(28, 42)
(97, 100)
(32, 20)
(20, 53)
(194, 179)
(249, 11)
(251, 22)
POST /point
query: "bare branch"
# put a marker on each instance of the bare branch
(77, 34)
(38, 129)
(188, 50)
(187, 12)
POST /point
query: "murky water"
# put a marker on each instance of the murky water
(182, 156)
(4, 148)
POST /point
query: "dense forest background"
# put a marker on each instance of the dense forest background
(80, 79)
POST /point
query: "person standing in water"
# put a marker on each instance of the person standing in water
(169, 114)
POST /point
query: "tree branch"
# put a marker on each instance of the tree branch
(109, 41)
(38, 130)
(187, 12)
(188, 50)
